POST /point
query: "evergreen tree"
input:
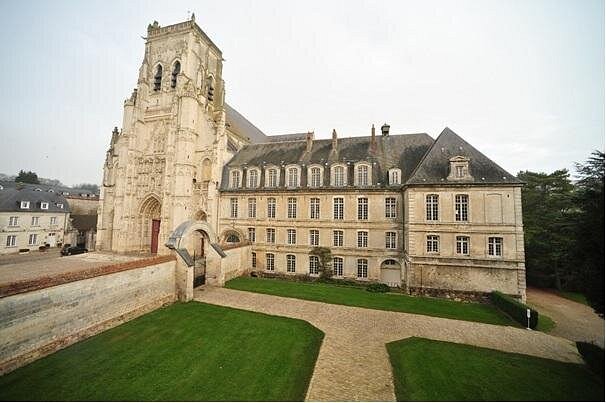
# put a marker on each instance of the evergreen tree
(27, 177)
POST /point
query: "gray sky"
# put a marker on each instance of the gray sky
(523, 81)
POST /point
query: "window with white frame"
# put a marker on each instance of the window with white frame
(394, 176)
(362, 268)
(13, 221)
(253, 178)
(314, 265)
(362, 175)
(53, 220)
(315, 177)
(292, 177)
(462, 245)
(252, 207)
(269, 261)
(314, 208)
(337, 237)
(337, 266)
(33, 239)
(291, 236)
(272, 177)
(391, 207)
(314, 237)
(337, 208)
(60, 205)
(292, 207)
(44, 205)
(338, 175)
(495, 246)
(390, 240)
(362, 239)
(461, 207)
(233, 207)
(234, 179)
(271, 235)
(253, 262)
(291, 263)
(431, 207)
(11, 240)
(35, 221)
(362, 208)
(271, 207)
(433, 244)
(252, 234)
(24, 204)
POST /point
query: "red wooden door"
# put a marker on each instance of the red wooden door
(154, 235)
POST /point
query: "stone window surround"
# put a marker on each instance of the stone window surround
(287, 170)
(390, 174)
(357, 166)
(340, 216)
(427, 205)
(466, 204)
(277, 170)
(391, 209)
(257, 176)
(501, 244)
(332, 174)
(468, 239)
(233, 185)
(338, 268)
(360, 237)
(362, 268)
(362, 208)
(270, 262)
(437, 240)
(291, 263)
(310, 177)
(391, 240)
(338, 234)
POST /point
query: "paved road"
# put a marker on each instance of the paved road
(574, 321)
(353, 364)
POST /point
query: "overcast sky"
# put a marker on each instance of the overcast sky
(522, 81)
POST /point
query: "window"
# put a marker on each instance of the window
(337, 238)
(362, 239)
(291, 263)
(53, 220)
(495, 246)
(292, 207)
(363, 208)
(269, 261)
(394, 176)
(272, 177)
(291, 236)
(461, 207)
(232, 238)
(293, 177)
(271, 207)
(314, 237)
(431, 207)
(11, 240)
(252, 207)
(271, 235)
(390, 240)
(337, 208)
(254, 260)
(362, 175)
(315, 177)
(462, 245)
(13, 221)
(314, 265)
(235, 179)
(459, 171)
(24, 204)
(362, 268)
(35, 221)
(33, 239)
(252, 235)
(233, 207)
(337, 266)
(314, 208)
(60, 205)
(390, 207)
(176, 71)
(210, 90)
(338, 176)
(253, 178)
(44, 205)
(433, 244)
(158, 78)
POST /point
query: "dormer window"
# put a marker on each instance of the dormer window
(158, 78)
(1, 187)
(315, 177)
(51, 191)
(44, 205)
(394, 176)
(271, 177)
(38, 190)
(65, 193)
(363, 175)
(60, 205)
(24, 204)
(253, 178)
(234, 179)
(459, 169)
(176, 71)
(339, 177)
(292, 176)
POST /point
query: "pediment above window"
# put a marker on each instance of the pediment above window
(459, 169)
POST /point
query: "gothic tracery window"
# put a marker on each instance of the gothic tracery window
(158, 78)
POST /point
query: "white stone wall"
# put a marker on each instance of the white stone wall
(24, 228)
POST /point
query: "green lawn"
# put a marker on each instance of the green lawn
(545, 324)
(440, 371)
(356, 296)
(184, 352)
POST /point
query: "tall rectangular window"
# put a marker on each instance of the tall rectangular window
(293, 177)
(390, 207)
(390, 240)
(35, 221)
(316, 177)
(13, 221)
(269, 261)
(11, 240)
(462, 245)
(252, 207)
(362, 239)
(337, 266)
(362, 175)
(433, 244)
(292, 207)
(271, 207)
(314, 265)
(291, 263)
(363, 208)
(461, 207)
(362, 268)
(252, 235)
(337, 208)
(431, 207)
(235, 179)
(271, 235)
(253, 178)
(338, 176)
(337, 238)
(314, 237)
(233, 207)
(314, 208)
(33, 238)
(53, 220)
(272, 177)
(254, 260)
(291, 236)
(495, 246)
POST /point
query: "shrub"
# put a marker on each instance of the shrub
(42, 248)
(593, 356)
(23, 250)
(377, 287)
(515, 309)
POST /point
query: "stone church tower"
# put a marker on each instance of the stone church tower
(164, 166)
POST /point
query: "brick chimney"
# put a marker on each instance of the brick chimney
(373, 140)
(310, 141)
(334, 140)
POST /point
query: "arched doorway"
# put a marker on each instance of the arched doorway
(149, 223)
(391, 273)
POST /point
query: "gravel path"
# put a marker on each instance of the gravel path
(574, 321)
(353, 364)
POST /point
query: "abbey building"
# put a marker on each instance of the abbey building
(407, 210)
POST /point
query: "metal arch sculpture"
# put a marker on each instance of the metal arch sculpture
(186, 228)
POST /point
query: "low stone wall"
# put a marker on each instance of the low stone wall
(37, 319)
(234, 264)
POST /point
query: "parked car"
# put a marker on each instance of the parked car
(72, 250)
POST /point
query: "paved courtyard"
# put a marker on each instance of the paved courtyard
(353, 363)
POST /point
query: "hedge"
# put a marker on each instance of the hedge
(515, 309)
(593, 356)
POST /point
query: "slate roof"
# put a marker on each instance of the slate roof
(12, 194)
(287, 137)
(84, 222)
(242, 126)
(435, 166)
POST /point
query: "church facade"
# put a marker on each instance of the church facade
(403, 209)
